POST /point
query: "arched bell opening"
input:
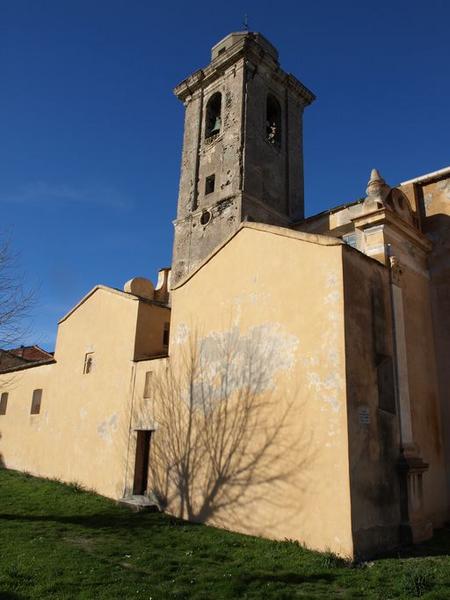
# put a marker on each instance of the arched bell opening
(273, 121)
(213, 115)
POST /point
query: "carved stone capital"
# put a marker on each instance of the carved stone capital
(396, 269)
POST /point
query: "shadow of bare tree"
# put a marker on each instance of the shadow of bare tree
(224, 438)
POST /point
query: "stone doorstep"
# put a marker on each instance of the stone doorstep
(139, 504)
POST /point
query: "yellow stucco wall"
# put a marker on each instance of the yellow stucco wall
(151, 320)
(82, 432)
(424, 392)
(372, 416)
(295, 312)
(436, 223)
(288, 292)
(24, 437)
(423, 256)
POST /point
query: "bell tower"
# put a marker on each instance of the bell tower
(242, 149)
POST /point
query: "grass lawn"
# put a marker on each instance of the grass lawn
(60, 542)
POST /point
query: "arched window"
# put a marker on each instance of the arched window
(273, 121)
(213, 115)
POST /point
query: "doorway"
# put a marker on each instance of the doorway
(141, 463)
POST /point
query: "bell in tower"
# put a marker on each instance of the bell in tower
(242, 149)
(216, 127)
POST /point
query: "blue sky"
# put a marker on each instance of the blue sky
(90, 132)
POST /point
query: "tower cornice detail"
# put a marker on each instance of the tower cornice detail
(242, 146)
(249, 49)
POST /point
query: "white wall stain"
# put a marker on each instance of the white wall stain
(181, 334)
(243, 361)
(106, 428)
(323, 369)
(442, 186)
(249, 299)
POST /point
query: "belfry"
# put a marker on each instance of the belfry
(242, 149)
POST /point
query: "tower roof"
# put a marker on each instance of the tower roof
(229, 50)
(236, 36)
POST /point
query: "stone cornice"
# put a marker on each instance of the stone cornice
(387, 217)
(299, 89)
(239, 197)
(245, 48)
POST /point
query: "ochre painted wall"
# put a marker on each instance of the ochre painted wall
(271, 285)
(436, 225)
(374, 444)
(82, 432)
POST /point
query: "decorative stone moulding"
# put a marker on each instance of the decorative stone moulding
(161, 293)
(381, 196)
(396, 269)
(251, 47)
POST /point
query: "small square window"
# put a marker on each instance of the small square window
(36, 402)
(148, 384)
(166, 334)
(88, 363)
(209, 184)
(3, 403)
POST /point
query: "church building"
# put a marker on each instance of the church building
(288, 376)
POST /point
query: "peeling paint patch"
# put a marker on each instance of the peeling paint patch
(252, 297)
(249, 299)
(327, 387)
(231, 361)
(323, 368)
(444, 186)
(107, 428)
(181, 334)
(428, 199)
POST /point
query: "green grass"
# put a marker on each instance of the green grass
(58, 541)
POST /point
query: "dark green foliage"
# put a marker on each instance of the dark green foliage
(330, 560)
(59, 543)
(418, 578)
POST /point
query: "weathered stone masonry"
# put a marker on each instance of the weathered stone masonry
(243, 161)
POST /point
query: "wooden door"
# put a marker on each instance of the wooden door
(141, 462)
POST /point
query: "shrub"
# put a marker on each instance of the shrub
(330, 560)
(418, 579)
(76, 486)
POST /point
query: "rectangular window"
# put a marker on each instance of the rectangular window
(88, 363)
(351, 239)
(36, 402)
(166, 334)
(210, 184)
(3, 403)
(148, 384)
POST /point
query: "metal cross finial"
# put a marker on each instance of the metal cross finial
(246, 22)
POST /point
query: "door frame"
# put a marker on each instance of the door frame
(141, 461)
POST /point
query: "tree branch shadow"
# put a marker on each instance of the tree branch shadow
(224, 438)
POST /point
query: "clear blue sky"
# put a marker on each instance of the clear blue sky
(90, 133)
